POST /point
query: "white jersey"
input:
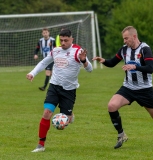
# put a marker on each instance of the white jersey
(66, 66)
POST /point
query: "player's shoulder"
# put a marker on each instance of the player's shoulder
(145, 48)
(57, 48)
(144, 44)
(76, 46)
(123, 48)
(41, 39)
(51, 38)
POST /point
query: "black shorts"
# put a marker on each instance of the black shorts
(50, 66)
(144, 97)
(65, 99)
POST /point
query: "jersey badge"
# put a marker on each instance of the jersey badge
(67, 54)
(139, 56)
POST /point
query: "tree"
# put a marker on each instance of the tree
(28, 6)
(101, 7)
(137, 13)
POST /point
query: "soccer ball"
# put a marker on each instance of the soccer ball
(60, 121)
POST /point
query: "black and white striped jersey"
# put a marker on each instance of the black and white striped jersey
(45, 46)
(143, 59)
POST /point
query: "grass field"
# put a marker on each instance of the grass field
(90, 137)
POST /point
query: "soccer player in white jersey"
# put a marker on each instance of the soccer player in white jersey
(68, 58)
(45, 45)
(137, 85)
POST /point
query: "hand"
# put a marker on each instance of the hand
(129, 67)
(101, 60)
(35, 56)
(29, 77)
(83, 55)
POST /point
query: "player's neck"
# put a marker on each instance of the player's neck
(136, 44)
(46, 38)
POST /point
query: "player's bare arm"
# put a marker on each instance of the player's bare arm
(100, 59)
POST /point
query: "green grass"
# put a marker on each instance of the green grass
(90, 137)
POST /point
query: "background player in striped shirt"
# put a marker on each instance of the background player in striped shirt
(68, 58)
(45, 45)
(137, 85)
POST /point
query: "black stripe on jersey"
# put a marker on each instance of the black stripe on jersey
(145, 78)
(41, 46)
(51, 45)
(124, 55)
(134, 75)
(132, 55)
(46, 46)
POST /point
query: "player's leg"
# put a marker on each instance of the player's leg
(50, 104)
(115, 103)
(150, 111)
(48, 72)
(145, 99)
(45, 122)
(72, 118)
(66, 104)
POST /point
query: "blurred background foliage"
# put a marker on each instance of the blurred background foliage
(113, 16)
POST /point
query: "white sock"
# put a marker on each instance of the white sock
(121, 134)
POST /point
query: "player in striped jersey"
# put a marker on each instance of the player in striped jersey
(45, 45)
(68, 58)
(137, 85)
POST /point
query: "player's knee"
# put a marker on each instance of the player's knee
(47, 114)
(49, 109)
(112, 107)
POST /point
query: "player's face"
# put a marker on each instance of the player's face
(45, 34)
(66, 42)
(129, 39)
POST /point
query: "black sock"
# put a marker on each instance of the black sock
(46, 81)
(116, 120)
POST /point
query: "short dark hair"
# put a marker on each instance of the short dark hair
(65, 32)
(45, 29)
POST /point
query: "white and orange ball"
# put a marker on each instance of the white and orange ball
(60, 121)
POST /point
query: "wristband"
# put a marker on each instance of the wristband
(84, 61)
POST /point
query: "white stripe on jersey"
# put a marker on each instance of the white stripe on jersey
(140, 84)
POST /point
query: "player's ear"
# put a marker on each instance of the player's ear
(135, 36)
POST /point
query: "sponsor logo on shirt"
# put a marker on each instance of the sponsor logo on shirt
(61, 62)
(134, 63)
(46, 49)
